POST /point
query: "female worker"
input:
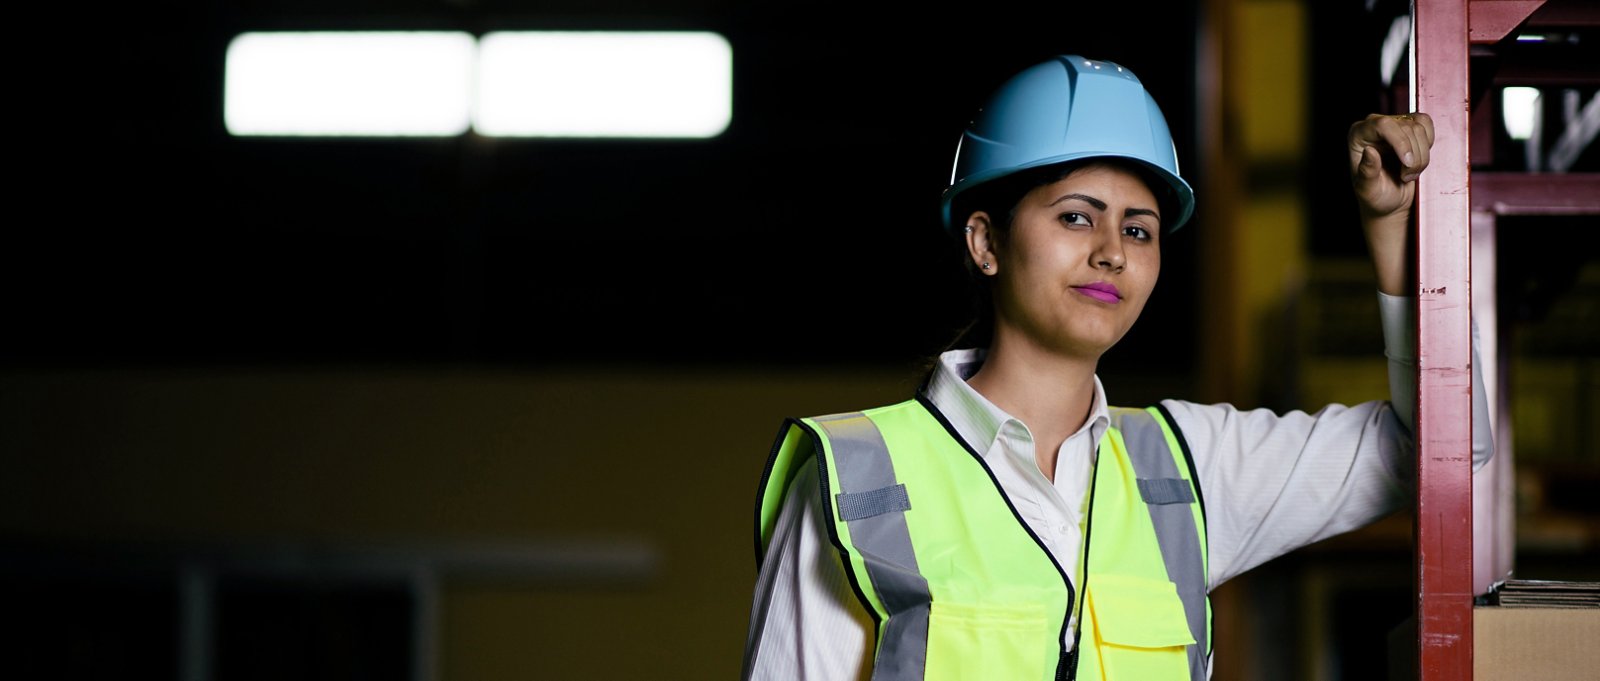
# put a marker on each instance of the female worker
(1006, 523)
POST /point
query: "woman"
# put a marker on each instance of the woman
(1007, 523)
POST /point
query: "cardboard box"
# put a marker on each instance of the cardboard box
(1549, 644)
(1546, 644)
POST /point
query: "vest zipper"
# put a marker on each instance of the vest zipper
(1070, 660)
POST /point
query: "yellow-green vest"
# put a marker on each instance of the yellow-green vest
(959, 586)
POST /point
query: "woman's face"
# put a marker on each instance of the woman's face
(1079, 262)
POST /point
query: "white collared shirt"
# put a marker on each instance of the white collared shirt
(1272, 483)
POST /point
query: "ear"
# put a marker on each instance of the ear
(981, 246)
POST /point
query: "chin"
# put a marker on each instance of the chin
(1085, 347)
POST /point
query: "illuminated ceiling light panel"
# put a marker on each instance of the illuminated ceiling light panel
(604, 84)
(1519, 105)
(368, 84)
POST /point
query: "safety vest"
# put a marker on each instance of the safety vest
(958, 585)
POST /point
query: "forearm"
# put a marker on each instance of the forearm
(1390, 244)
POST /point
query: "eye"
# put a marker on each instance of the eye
(1138, 232)
(1075, 218)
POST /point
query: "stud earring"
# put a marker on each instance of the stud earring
(986, 266)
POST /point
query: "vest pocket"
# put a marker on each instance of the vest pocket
(1140, 631)
(990, 641)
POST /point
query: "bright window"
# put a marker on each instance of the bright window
(604, 84)
(358, 84)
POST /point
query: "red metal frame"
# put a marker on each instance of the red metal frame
(1444, 302)
(1536, 193)
(1492, 20)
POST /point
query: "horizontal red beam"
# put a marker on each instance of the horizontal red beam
(1492, 20)
(1536, 193)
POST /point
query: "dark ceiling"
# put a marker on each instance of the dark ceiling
(161, 239)
(146, 235)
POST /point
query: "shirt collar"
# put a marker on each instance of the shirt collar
(977, 420)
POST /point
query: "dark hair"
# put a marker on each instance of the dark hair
(999, 199)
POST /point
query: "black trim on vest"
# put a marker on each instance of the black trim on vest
(1200, 495)
(766, 477)
(1061, 654)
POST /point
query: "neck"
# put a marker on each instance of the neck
(1051, 393)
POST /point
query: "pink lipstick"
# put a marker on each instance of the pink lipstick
(1101, 291)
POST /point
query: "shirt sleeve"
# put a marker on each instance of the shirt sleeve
(806, 622)
(1274, 483)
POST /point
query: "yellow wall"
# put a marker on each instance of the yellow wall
(426, 458)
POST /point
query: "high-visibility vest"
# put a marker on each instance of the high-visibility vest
(958, 585)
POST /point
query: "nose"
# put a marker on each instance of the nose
(1108, 254)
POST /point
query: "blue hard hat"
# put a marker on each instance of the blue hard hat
(1067, 109)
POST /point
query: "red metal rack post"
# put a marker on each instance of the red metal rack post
(1444, 351)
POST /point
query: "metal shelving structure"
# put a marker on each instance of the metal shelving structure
(1457, 207)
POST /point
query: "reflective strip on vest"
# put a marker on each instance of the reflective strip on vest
(879, 534)
(1154, 461)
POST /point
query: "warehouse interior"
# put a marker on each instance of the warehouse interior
(476, 407)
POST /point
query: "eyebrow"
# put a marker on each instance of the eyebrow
(1101, 205)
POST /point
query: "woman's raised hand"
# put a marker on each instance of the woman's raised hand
(1386, 155)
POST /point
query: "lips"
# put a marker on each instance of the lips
(1101, 291)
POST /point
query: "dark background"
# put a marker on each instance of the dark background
(148, 235)
(162, 239)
